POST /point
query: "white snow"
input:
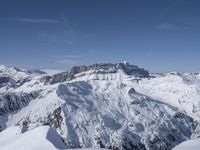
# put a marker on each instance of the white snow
(2, 67)
(189, 145)
(42, 137)
(182, 91)
(99, 105)
(13, 72)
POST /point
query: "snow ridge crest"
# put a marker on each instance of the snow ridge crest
(99, 68)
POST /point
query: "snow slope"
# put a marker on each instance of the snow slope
(189, 145)
(179, 90)
(42, 137)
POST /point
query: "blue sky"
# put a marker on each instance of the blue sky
(159, 35)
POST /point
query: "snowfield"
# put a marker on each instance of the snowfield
(42, 137)
(189, 145)
(115, 106)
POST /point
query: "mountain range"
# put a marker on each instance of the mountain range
(115, 106)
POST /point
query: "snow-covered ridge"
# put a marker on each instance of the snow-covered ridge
(13, 72)
(101, 68)
(109, 67)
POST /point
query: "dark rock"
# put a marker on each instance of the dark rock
(60, 77)
(12, 102)
(132, 91)
(7, 81)
(101, 68)
(55, 119)
(36, 71)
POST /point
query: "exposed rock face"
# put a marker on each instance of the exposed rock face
(12, 102)
(36, 71)
(7, 81)
(99, 68)
(60, 77)
(112, 68)
(55, 119)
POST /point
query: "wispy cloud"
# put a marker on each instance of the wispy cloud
(171, 7)
(32, 20)
(65, 56)
(67, 59)
(171, 26)
(70, 34)
(66, 35)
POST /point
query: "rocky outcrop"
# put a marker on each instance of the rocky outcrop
(12, 102)
(4, 80)
(101, 68)
(60, 77)
(112, 68)
(55, 119)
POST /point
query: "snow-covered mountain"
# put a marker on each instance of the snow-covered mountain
(115, 106)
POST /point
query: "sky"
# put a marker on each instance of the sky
(158, 35)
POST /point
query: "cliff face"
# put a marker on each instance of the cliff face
(103, 68)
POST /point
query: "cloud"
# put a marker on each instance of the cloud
(170, 26)
(92, 51)
(67, 59)
(66, 35)
(69, 32)
(171, 7)
(31, 20)
(65, 56)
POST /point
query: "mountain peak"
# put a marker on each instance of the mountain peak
(100, 68)
(112, 67)
(2, 67)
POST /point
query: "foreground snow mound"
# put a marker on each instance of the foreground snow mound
(42, 137)
(189, 145)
